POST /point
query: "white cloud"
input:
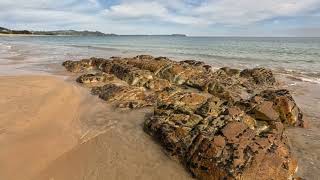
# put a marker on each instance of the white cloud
(151, 10)
(137, 10)
(227, 12)
(251, 11)
(34, 4)
(125, 16)
(42, 14)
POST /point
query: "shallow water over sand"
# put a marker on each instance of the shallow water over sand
(113, 146)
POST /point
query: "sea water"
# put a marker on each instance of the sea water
(299, 57)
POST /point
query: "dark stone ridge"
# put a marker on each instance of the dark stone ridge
(223, 124)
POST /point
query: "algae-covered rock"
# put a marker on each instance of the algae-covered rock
(222, 124)
(124, 96)
(132, 75)
(260, 76)
(83, 65)
(157, 84)
(95, 78)
(285, 105)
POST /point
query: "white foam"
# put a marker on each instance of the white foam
(300, 76)
(5, 46)
(312, 80)
(293, 84)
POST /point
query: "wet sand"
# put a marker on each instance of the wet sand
(53, 129)
(121, 151)
(305, 142)
(38, 117)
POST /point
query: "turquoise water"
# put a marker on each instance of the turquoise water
(287, 55)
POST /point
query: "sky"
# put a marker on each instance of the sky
(191, 17)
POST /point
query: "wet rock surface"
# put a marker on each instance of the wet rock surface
(223, 124)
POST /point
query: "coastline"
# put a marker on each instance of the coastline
(23, 35)
(78, 152)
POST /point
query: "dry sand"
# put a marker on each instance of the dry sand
(54, 130)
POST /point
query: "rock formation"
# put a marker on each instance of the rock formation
(223, 124)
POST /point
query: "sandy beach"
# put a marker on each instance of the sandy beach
(52, 129)
(38, 123)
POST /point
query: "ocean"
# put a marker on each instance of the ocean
(298, 57)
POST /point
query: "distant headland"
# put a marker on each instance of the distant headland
(66, 33)
(54, 33)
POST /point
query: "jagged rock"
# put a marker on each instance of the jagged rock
(230, 71)
(223, 124)
(262, 127)
(123, 96)
(157, 84)
(265, 112)
(249, 121)
(199, 81)
(106, 66)
(174, 130)
(186, 102)
(83, 65)
(226, 86)
(150, 64)
(193, 62)
(180, 73)
(239, 154)
(173, 73)
(284, 104)
(260, 76)
(96, 78)
(144, 57)
(212, 107)
(133, 76)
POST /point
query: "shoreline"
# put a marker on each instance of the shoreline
(186, 98)
(22, 35)
(73, 155)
